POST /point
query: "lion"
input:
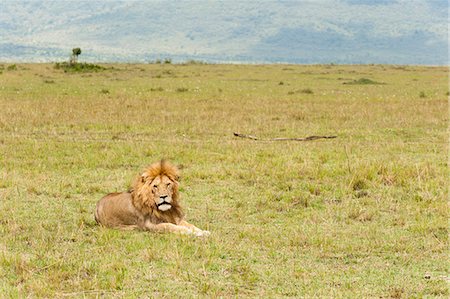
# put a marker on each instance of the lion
(152, 204)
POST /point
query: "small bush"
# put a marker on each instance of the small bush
(12, 67)
(363, 81)
(49, 81)
(182, 89)
(422, 94)
(281, 83)
(78, 67)
(105, 91)
(167, 61)
(307, 91)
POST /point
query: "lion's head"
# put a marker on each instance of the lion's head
(155, 191)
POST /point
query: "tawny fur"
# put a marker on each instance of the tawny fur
(138, 208)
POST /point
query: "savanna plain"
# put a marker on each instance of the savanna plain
(363, 215)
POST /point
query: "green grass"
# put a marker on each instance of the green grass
(362, 215)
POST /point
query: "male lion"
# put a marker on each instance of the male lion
(152, 204)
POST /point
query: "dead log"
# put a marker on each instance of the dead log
(308, 138)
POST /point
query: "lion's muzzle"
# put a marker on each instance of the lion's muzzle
(164, 203)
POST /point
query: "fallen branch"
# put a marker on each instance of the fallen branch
(283, 139)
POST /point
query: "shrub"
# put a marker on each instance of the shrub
(363, 81)
(78, 67)
(422, 94)
(307, 91)
(181, 89)
(12, 67)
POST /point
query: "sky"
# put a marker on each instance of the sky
(302, 31)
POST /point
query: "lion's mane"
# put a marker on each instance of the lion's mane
(142, 196)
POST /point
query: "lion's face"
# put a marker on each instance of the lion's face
(156, 189)
(162, 189)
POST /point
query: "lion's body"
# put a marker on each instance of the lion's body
(117, 210)
(152, 204)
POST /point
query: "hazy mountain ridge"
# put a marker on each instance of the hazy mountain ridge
(351, 31)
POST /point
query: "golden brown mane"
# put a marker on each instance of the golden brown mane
(142, 196)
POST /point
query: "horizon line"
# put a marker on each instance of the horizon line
(202, 62)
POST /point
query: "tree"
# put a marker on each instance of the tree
(74, 57)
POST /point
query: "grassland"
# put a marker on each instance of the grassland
(362, 215)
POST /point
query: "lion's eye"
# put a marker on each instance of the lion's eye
(155, 187)
(168, 184)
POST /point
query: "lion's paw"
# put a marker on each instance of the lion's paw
(202, 233)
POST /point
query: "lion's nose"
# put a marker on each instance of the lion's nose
(163, 197)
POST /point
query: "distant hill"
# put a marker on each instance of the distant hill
(322, 31)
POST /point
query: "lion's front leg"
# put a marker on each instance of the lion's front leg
(198, 232)
(167, 227)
